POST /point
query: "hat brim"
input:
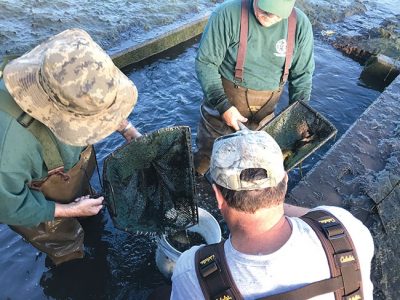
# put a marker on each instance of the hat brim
(21, 77)
(280, 8)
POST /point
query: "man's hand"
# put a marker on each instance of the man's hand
(128, 131)
(81, 207)
(232, 116)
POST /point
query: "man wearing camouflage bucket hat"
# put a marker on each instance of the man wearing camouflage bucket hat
(248, 51)
(272, 250)
(55, 102)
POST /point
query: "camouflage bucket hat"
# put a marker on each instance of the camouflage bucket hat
(72, 86)
(243, 150)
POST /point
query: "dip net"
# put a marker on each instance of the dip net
(149, 183)
(299, 130)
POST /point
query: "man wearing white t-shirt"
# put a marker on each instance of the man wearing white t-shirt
(270, 250)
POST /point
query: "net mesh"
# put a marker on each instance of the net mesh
(299, 130)
(149, 183)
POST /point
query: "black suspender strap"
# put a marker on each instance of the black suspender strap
(242, 48)
(214, 275)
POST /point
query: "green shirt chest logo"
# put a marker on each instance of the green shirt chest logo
(280, 48)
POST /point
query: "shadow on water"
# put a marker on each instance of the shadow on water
(120, 265)
(117, 265)
(86, 278)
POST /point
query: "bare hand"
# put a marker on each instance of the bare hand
(131, 133)
(81, 207)
(232, 116)
(128, 131)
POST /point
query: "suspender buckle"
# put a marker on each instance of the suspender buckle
(236, 82)
(208, 268)
(333, 231)
(357, 295)
(25, 120)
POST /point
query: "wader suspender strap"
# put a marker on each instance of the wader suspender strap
(289, 46)
(52, 157)
(214, 275)
(345, 278)
(340, 251)
(244, 29)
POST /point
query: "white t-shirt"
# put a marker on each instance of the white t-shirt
(300, 261)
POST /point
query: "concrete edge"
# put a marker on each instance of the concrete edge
(302, 187)
(159, 44)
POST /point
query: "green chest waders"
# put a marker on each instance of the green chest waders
(62, 238)
(257, 106)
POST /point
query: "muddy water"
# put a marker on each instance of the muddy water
(119, 265)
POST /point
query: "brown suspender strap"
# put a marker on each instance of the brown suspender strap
(244, 29)
(291, 35)
(216, 281)
(310, 290)
(214, 275)
(345, 279)
(340, 251)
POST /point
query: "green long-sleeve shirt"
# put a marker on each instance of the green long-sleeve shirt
(264, 60)
(21, 161)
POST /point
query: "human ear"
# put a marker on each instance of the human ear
(218, 196)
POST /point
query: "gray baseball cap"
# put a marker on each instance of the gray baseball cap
(243, 150)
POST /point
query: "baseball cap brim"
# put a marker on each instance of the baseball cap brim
(281, 8)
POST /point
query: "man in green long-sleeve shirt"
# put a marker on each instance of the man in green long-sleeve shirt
(249, 92)
(55, 102)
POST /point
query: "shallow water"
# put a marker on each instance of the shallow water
(113, 24)
(340, 96)
(120, 265)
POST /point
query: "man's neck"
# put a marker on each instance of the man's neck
(263, 232)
